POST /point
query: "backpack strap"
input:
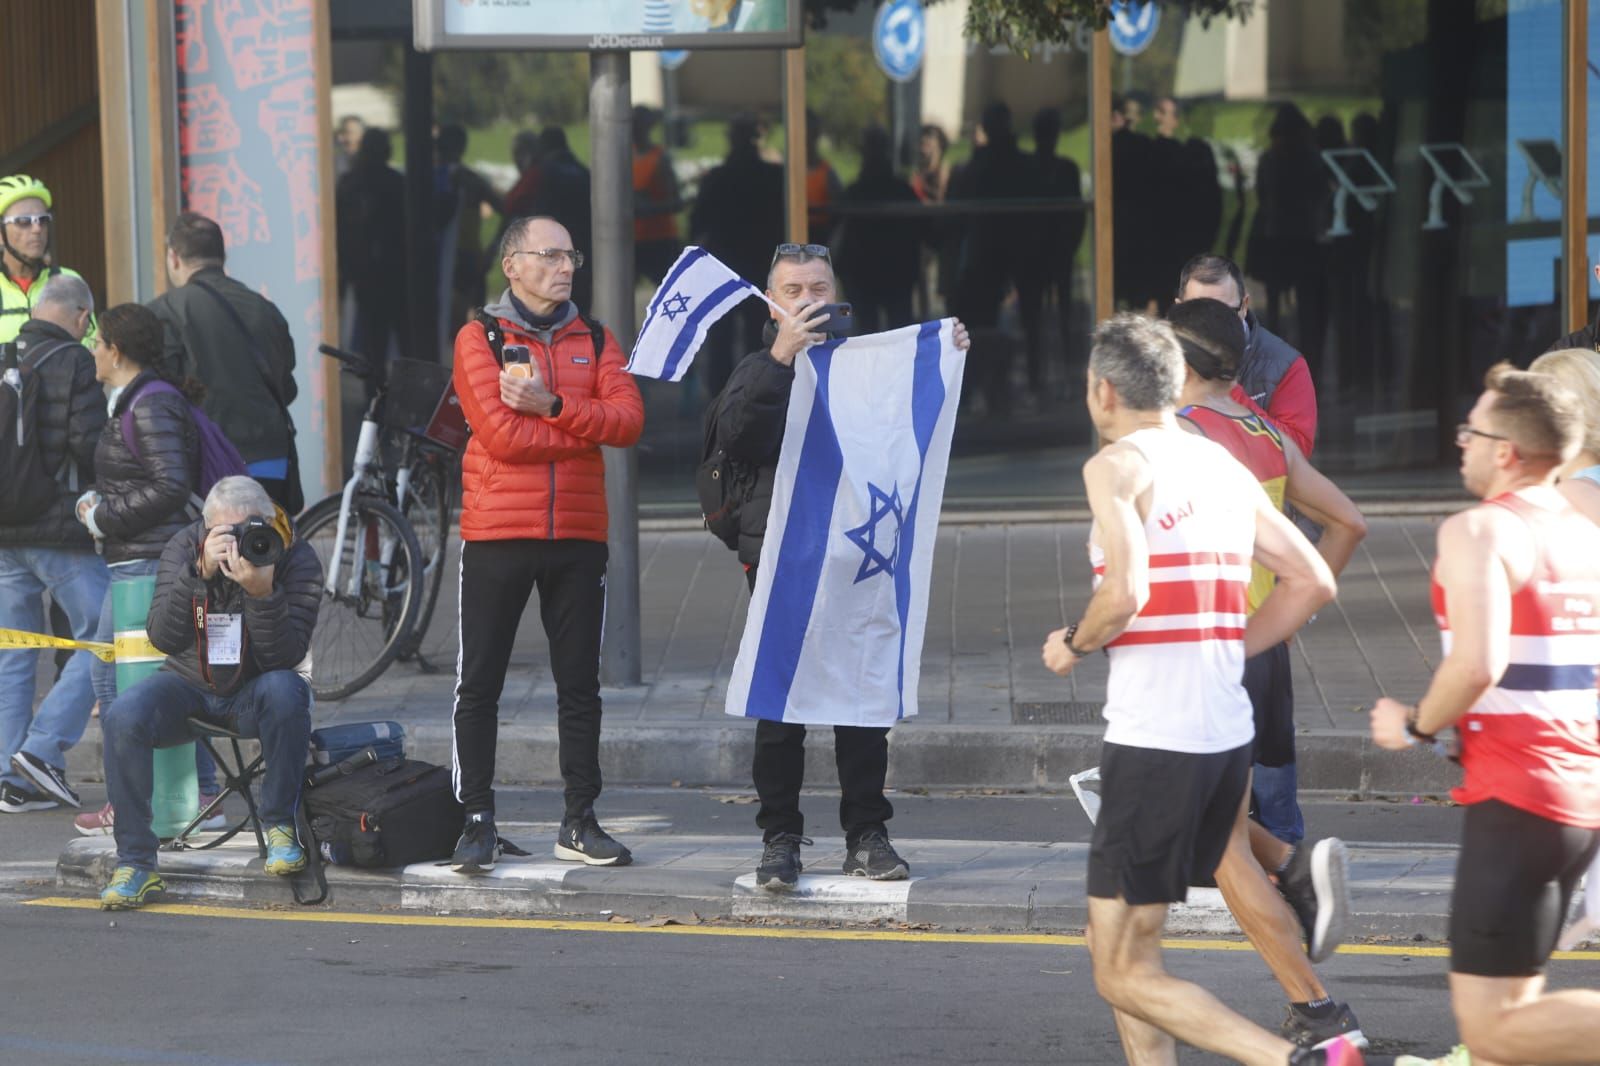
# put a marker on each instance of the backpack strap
(492, 331)
(256, 355)
(131, 442)
(597, 335)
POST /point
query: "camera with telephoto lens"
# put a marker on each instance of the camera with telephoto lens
(259, 542)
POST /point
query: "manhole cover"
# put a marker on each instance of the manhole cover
(1070, 712)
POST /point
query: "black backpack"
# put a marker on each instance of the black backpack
(723, 483)
(28, 489)
(382, 812)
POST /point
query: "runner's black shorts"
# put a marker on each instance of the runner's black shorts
(1514, 882)
(1269, 682)
(1165, 819)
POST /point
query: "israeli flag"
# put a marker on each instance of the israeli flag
(696, 292)
(834, 633)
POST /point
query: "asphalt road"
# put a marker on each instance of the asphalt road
(80, 986)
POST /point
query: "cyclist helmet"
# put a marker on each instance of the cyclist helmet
(16, 187)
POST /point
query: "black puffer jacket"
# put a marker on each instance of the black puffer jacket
(145, 497)
(750, 421)
(70, 420)
(277, 627)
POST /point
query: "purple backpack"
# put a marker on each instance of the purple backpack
(218, 457)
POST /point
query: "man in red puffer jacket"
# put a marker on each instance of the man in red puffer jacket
(533, 516)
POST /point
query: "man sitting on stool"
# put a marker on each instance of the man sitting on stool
(237, 668)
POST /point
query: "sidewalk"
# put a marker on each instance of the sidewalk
(1399, 891)
(990, 714)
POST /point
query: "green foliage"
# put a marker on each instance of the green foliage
(844, 86)
(477, 89)
(1021, 24)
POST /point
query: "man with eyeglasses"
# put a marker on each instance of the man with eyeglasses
(1274, 379)
(543, 388)
(1516, 593)
(27, 225)
(750, 414)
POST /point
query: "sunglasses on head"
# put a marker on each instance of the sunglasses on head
(815, 251)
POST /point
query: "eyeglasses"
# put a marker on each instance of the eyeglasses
(553, 256)
(817, 251)
(1465, 433)
(30, 221)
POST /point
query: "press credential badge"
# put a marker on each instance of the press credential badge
(224, 639)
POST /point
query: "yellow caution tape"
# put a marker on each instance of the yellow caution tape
(16, 638)
(133, 646)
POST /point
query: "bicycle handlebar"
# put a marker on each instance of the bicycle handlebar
(353, 363)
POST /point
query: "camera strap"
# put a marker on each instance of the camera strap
(202, 615)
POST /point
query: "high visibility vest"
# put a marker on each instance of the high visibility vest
(16, 305)
(818, 196)
(650, 185)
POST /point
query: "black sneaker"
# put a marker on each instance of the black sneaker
(478, 847)
(582, 840)
(875, 858)
(1315, 884)
(1316, 1031)
(14, 799)
(780, 866)
(51, 782)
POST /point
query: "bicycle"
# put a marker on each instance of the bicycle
(382, 541)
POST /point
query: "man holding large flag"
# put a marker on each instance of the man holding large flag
(830, 633)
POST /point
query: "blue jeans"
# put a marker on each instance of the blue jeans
(105, 674)
(274, 707)
(1272, 789)
(77, 581)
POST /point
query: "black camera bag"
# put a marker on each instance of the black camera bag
(383, 812)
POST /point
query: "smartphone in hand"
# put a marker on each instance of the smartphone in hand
(517, 361)
(840, 321)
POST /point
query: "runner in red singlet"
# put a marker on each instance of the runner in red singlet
(1516, 591)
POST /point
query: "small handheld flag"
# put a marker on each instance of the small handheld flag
(697, 291)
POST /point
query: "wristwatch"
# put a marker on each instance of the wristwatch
(1066, 638)
(555, 408)
(1413, 731)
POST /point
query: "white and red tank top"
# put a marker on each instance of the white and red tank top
(1532, 741)
(1175, 672)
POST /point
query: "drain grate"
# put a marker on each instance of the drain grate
(1070, 712)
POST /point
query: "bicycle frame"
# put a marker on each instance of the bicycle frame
(367, 459)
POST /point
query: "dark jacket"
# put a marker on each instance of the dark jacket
(753, 408)
(738, 215)
(1587, 338)
(203, 342)
(1275, 379)
(145, 497)
(277, 627)
(70, 420)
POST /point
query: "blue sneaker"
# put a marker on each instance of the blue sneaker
(130, 887)
(285, 856)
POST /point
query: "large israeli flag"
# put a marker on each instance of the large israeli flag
(698, 290)
(834, 633)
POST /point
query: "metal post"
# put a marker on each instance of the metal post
(422, 254)
(1100, 161)
(611, 203)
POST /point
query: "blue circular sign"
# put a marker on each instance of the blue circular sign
(1133, 25)
(900, 38)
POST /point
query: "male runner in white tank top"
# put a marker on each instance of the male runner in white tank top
(1177, 523)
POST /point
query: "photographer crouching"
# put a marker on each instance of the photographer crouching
(235, 603)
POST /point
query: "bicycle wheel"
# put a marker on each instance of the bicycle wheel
(427, 508)
(368, 616)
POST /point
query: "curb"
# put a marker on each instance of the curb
(723, 889)
(932, 757)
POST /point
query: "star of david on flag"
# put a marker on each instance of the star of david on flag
(836, 619)
(698, 290)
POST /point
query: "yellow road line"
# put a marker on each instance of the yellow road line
(189, 910)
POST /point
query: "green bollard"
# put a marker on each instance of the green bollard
(176, 795)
